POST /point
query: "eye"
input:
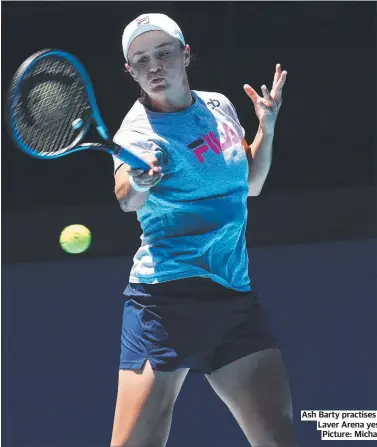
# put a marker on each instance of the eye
(142, 60)
(164, 54)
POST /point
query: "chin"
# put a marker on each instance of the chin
(159, 88)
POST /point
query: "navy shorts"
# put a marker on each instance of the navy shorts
(190, 323)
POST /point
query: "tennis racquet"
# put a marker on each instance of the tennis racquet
(51, 106)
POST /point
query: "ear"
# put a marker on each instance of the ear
(130, 71)
(186, 55)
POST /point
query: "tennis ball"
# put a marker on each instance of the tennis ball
(75, 239)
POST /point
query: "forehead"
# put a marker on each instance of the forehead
(149, 41)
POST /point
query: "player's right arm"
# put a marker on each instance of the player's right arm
(128, 197)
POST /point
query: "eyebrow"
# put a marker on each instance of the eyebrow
(156, 47)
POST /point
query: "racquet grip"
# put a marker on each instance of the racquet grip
(130, 159)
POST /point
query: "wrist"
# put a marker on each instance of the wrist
(267, 132)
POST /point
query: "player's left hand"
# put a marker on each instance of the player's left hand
(268, 106)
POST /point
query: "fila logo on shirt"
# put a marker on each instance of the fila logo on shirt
(211, 142)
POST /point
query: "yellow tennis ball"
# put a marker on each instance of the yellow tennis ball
(75, 239)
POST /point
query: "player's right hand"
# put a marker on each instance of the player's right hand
(147, 179)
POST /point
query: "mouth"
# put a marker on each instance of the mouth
(157, 81)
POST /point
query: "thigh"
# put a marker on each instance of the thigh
(256, 390)
(153, 425)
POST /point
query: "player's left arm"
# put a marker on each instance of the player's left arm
(259, 153)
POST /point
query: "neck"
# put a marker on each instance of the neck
(173, 102)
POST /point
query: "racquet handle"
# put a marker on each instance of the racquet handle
(130, 159)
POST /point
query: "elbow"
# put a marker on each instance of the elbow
(128, 199)
(254, 192)
(123, 206)
(254, 189)
(120, 191)
(126, 206)
(256, 184)
(122, 199)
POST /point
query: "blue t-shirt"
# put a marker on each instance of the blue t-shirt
(194, 221)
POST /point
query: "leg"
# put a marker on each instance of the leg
(256, 390)
(144, 406)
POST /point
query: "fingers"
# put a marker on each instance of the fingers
(251, 93)
(146, 176)
(138, 172)
(147, 181)
(154, 168)
(156, 179)
(268, 100)
(134, 172)
(281, 81)
(278, 84)
(277, 74)
(279, 78)
(152, 161)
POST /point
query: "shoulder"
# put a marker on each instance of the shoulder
(220, 105)
(136, 134)
(136, 120)
(136, 129)
(219, 102)
(214, 99)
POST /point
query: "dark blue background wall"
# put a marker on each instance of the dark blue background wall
(61, 330)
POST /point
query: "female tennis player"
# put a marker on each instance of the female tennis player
(190, 304)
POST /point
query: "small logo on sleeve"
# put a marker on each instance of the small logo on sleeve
(213, 103)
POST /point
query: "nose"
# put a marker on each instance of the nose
(154, 66)
(154, 69)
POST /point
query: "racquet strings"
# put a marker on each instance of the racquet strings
(51, 95)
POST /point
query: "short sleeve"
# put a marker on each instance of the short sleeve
(135, 143)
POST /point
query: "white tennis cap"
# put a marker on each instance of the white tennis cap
(150, 22)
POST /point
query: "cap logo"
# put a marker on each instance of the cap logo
(142, 21)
